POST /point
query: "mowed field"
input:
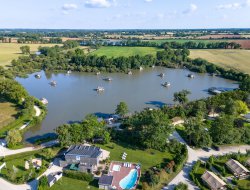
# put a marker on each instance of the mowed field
(125, 51)
(235, 59)
(7, 113)
(10, 51)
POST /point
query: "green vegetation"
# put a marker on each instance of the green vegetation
(10, 51)
(66, 183)
(16, 172)
(181, 186)
(122, 108)
(229, 59)
(13, 138)
(25, 49)
(8, 112)
(125, 51)
(243, 184)
(78, 175)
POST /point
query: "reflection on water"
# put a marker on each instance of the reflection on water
(74, 97)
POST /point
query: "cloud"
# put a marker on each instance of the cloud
(192, 8)
(67, 7)
(148, 1)
(99, 3)
(234, 5)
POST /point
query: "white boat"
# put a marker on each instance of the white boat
(190, 75)
(44, 101)
(100, 89)
(38, 76)
(98, 73)
(166, 84)
(53, 83)
(153, 66)
(130, 73)
(108, 79)
(162, 75)
(69, 72)
(141, 68)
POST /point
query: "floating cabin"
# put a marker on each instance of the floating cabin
(190, 75)
(162, 75)
(130, 73)
(69, 72)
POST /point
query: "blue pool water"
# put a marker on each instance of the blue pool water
(129, 181)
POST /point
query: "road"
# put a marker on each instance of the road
(199, 154)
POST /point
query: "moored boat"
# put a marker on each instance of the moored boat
(190, 75)
(166, 84)
(53, 83)
(108, 79)
(100, 89)
(38, 76)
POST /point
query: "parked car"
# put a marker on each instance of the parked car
(216, 147)
(207, 149)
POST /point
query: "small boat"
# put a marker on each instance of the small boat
(166, 84)
(161, 75)
(130, 73)
(108, 79)
(98, 73)
(38, 76)
(190, 75)
(53, 83)
(99, 89)
(141, 68)
(69, 72)
(153, 66)
(44, 101)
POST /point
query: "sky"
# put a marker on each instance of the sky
(124, 14)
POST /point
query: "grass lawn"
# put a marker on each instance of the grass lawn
(147, 158)
(17, 163)
(66, 183)
(198, 173)
(125, 51)
(10, 51)
(243, 184)
(7, 113)
(235, 59)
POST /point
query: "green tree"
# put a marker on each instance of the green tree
(43, 183)
(13, 137)
(25, 49)
(121, 108)
(240, 107)
(245, 85)
(181, 96)
(181, 186)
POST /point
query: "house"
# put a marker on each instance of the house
(84, 158)
(53, 178)
(239, 171)
(105, 182)
(213, 181)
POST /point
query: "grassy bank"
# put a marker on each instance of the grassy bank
(8, 112)
(235, 59)
(125, 51)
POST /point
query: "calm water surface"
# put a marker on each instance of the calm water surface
(74, 96)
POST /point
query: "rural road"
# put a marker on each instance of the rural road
(198, 154)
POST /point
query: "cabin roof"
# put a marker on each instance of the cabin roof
(82, 150)
(213, 180)
(236, 167)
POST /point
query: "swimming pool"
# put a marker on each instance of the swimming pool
(129, 181)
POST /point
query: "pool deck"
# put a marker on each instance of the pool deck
(119, 175)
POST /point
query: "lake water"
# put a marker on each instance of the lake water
(74, 96)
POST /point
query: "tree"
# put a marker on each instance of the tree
(181, 96)
(43, 183)
(181, 186)
(245, 85)
(13, 137)
(240, 107)
(121, 109)
(25, 49)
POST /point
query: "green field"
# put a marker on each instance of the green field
(235, 59)
(7, 113)
(125, 51)
(10, 51)
(185, 40)
(73, 184)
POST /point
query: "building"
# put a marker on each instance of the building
(53, 178)
(105, 182)
(82, 158)
(239, 171)
(213, 181)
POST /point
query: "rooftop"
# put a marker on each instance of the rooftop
(82, 150)
(236, 167)
(105, 180)
(213, 180)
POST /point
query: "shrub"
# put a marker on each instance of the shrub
(79, 175)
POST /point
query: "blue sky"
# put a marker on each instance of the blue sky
(124, 14)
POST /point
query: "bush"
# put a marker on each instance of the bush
(79, 175)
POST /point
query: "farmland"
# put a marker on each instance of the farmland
(235, 59)
(125, 51)
(10, 51)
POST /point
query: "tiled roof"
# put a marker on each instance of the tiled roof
(82, 150)
(213, 180)
(236, 167)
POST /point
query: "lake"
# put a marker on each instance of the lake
(74, 96)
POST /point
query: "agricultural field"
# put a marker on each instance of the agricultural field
(10, 51)
(7, 113)
(125, 51)
(235, 59)
(185, 40)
